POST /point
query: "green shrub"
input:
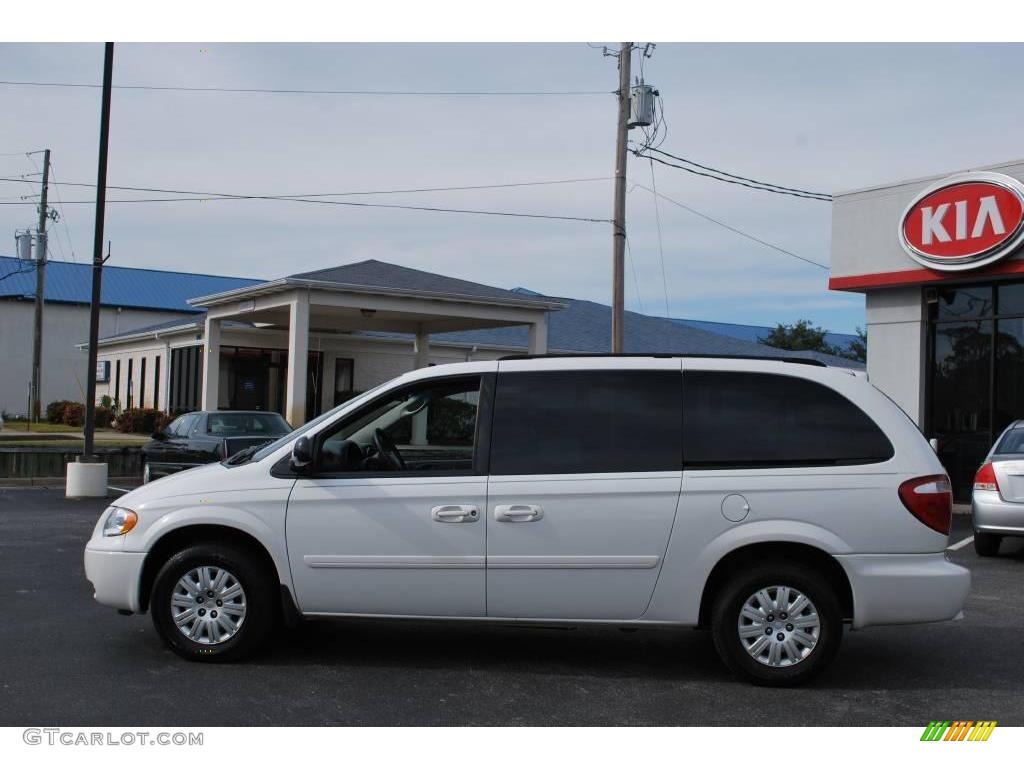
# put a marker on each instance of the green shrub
(104, 414)
(142, 420)
(55, 411)
(74, 414)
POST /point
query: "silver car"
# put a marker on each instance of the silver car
(997, 503)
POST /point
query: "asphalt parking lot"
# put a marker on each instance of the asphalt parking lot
(69, 661)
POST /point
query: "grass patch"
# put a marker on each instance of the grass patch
(43, 426)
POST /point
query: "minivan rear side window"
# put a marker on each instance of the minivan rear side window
(733, 420)
(564, 422)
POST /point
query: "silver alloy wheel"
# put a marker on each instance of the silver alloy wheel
(208, 605)
(779, 626)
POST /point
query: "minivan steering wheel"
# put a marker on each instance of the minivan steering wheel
(387, 449)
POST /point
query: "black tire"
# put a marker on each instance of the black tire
(987, 544)
(726, 611)
(261, 603)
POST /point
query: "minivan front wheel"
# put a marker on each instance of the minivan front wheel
(213, 603)
(777, 624)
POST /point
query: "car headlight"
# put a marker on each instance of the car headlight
(119, 521)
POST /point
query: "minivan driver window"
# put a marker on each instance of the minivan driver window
(426, 427)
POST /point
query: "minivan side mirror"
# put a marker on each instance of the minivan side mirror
(159, 435)
(302, 454)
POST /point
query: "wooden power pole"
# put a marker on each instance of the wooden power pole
(619, 212)
(37, 333)
(97, 253)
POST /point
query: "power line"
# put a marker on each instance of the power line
(636, 281)
(661, 249)
(760, 186)
(63, 218)
(308, 91)
(740, 232)
(741, 178)
(320, 201)
(20, 270)
(225, 195)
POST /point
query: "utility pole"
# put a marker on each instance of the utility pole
(97, 255)
(619, 212)
(37, 334)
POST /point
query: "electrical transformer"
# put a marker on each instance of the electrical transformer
(641, 105)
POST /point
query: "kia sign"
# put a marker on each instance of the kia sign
(964, 222)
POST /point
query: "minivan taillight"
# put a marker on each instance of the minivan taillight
(930, 500)
(985, 479)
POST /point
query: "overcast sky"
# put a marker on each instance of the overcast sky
(821, 117)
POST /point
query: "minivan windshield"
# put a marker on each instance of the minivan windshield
(270, 448)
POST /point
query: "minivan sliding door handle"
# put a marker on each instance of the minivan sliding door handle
(517, 513)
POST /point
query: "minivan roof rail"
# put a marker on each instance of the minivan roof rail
(796, 360)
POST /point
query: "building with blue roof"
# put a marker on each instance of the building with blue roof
(367, 322)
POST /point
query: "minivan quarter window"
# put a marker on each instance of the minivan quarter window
(735, 420)
(581, 421)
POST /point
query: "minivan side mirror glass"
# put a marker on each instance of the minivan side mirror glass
(302, 454)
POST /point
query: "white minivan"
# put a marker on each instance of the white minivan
(769, 501)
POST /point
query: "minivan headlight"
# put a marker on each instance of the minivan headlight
(119, 521)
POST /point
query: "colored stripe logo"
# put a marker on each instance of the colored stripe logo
(958, 730)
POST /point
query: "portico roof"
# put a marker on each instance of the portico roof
(381, 278)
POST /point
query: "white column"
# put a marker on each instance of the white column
(298, 354)
(211, 365)
(422, 348)
(539, 336)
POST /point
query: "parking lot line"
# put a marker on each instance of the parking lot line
(115, 488)
(960, 544)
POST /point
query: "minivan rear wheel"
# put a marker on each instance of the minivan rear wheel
(777, 624)
(987, 544)
(214, 602)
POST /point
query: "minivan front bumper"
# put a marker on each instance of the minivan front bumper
(115, 576)
(905, 589)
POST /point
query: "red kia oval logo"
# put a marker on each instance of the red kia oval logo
(965, 221)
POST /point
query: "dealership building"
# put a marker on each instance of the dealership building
(941, 266)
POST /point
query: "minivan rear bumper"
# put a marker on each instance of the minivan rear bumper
(905, 589)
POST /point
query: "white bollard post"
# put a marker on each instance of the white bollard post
(85, 480)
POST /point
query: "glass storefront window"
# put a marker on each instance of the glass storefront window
(962, 303)
(977, 374)
(1009, 367)
(1011, 299)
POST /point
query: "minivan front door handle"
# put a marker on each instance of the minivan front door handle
(454, 513)
(517, 513)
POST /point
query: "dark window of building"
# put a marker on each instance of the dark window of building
(563, 422)
(142, 383)
(344, 379)
(156, 381)
(733, 420)
(117, 382)
(1011, 299)
(128, 385)
(186, 379)
(963, 303)
(976, 374)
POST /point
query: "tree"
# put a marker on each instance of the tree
(857, 349)
(801, 336)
